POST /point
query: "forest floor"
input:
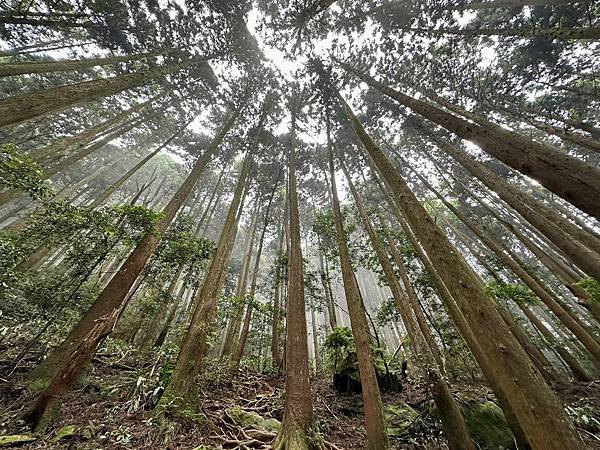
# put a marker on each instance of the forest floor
(112, 410)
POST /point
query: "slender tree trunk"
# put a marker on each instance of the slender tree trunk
(374, 417)
(275, 353)
(233, 328)
(235, 365)
(585, 338)
(579, 246)
(328, 295)
(298, 430)
(533, 403)
(60, 370)
(182, 387)
(25, 107)
(562, 174)
(315, 336)
(49, 154)
(123, 179)
(22, 68)
(562, 33)
(577, 371)
(455, 427)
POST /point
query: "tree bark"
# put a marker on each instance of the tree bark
(584, 337)
(374, 417)
(578, 246)
(182, 388)
(536, 408)
(235, 365)
(60, 370)
(562, 174)
(298, 430)
(454, 425)
(22, 108)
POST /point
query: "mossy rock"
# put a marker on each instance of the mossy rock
(251, 419)
(64, 432)
(16, 439)
(399, 419)
(488, 426)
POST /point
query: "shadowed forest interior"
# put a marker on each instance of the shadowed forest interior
(300, 224)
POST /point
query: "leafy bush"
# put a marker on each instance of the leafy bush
(592, 287)
(20, 171)
(517, 293)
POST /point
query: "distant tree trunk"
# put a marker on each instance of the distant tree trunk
(100, 199)
(562, 174)
(506, 4)
(18, 50)
(374, 417)
(578, 372)
(49, 154)
(580, 247)
(233, 329)
(21, 108)
(530, 396)
(209, 204)
(11, 194)
(315, 336)
(562, 33)
(164, 331)
(566, 135)
(182, 388)
(275, 353)
(328, 295)
(235, 365)
(585, 338)
(60, 370)
(149, 335)
(298, 429)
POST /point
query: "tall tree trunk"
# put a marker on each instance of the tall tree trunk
(562, 174)
(533, 403)
(21, 108)
(60, 370)
(182, 387)
(562, 33)
(298, 429)
(328, 295)
(233, 328)
(22, 68)
(580, 247)
(454, 425)
(374, 417)
(275, 353)
(315, 336)
(235, 365)
(584, 337)
(100, 199)
(578, 372)
(49, 154)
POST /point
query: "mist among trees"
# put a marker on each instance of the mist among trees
(300, 225)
